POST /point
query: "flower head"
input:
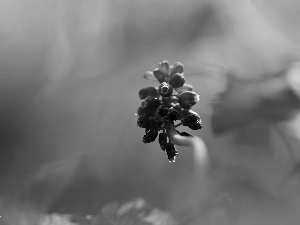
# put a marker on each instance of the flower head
(160, 107)
(171, 74)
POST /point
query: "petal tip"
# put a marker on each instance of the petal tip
(148, 75)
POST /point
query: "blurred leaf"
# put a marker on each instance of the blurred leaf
(244, 101)
(237, 106)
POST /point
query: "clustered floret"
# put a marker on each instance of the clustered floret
(160, 107)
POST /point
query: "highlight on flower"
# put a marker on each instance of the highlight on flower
(160, 107)
(165, 89)
(171, 152)
(188, 98)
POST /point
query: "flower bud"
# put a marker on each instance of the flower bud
(166, 101)
(155, 122)
(171, 152)
(188, 112)
(148, 75)
(174, 98)
(160, 75)
(165, 89)
(150, 135)
(195, 126)
(150, 103)
(192, 120)
(148, 91)
(177, 80)
(187, 99)
(142, 111)
(163, 141)
(163, 111)
(177, 68)
(164, 67)
(143, 121)
(173, 114)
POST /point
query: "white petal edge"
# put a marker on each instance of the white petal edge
(149, 76)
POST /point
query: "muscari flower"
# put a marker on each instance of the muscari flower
(159, 113)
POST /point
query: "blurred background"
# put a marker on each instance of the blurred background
(70, 72)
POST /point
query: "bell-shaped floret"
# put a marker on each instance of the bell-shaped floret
(177, 80)
(187, 99)
(148, 91)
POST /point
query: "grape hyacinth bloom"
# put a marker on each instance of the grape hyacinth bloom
(161, 107)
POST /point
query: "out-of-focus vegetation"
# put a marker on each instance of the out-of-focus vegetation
(70, 72)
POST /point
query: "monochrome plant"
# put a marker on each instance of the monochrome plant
(161, 107)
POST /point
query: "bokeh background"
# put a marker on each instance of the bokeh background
(70, 72)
